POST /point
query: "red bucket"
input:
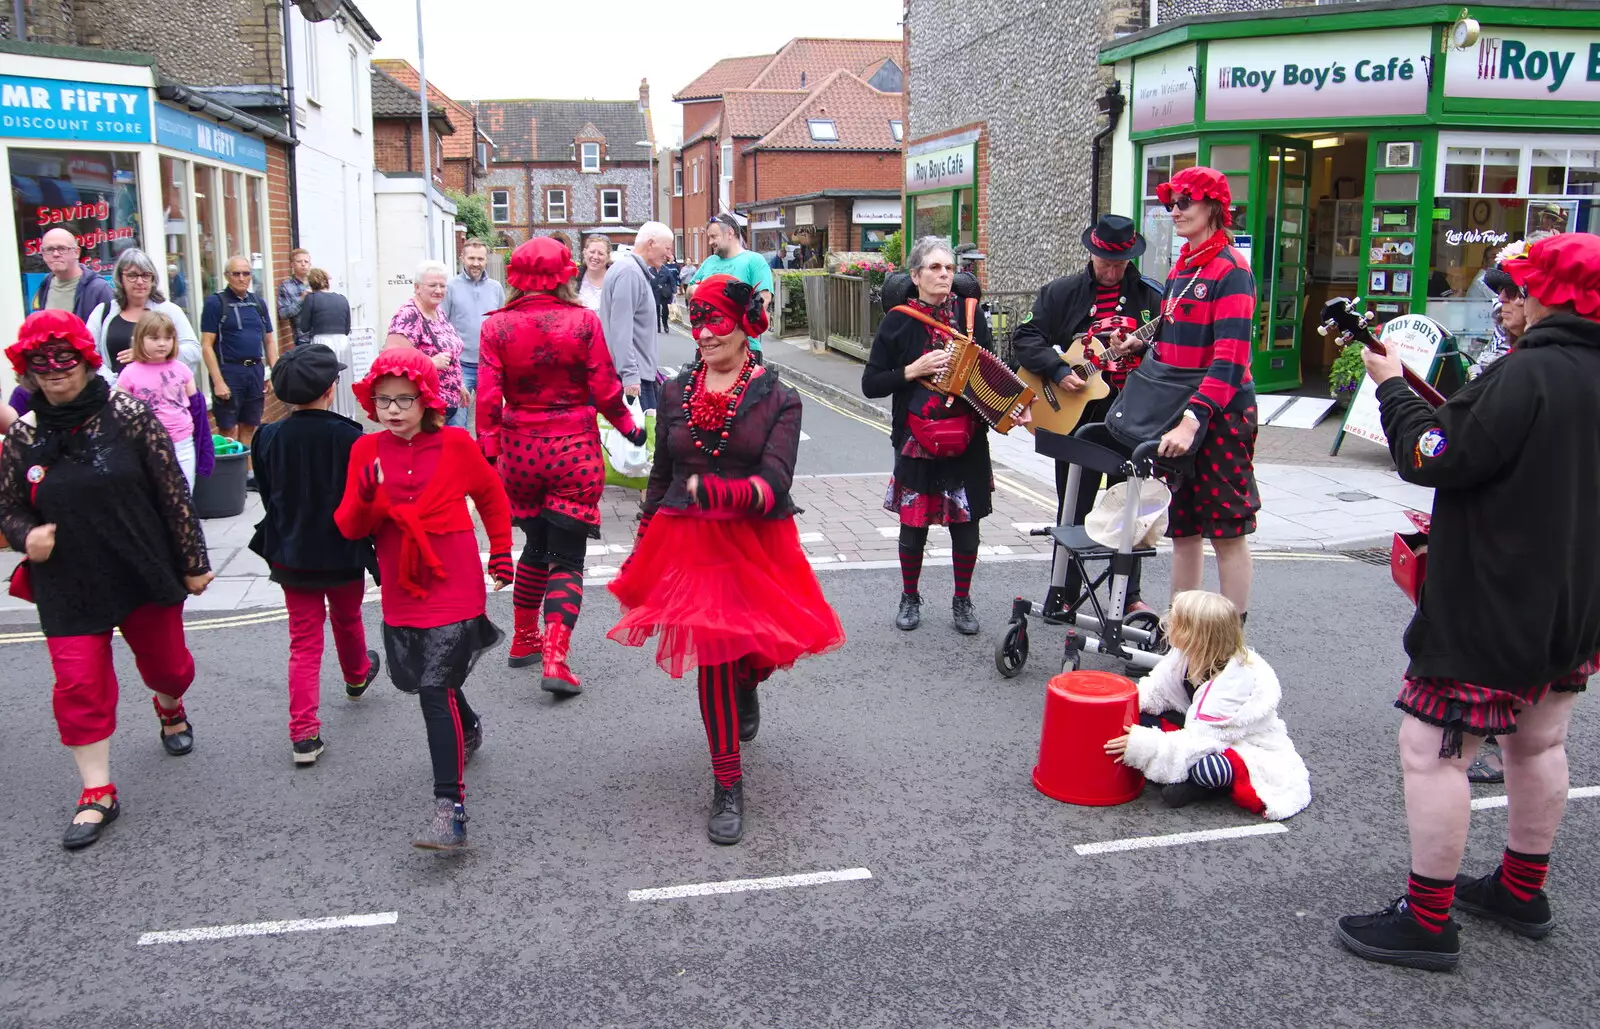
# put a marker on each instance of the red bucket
(1082, 710)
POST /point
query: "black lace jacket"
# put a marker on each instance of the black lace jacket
(126, 528)
(764, 441)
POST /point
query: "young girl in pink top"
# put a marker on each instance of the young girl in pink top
(165, 383)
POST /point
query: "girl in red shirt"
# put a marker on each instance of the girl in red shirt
(408, 488)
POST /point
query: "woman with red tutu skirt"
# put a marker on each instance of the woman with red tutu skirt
(544, 370)
(718, 571)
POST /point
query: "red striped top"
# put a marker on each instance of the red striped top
(1210, 326)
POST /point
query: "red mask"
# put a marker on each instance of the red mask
(56, 357)
(707, 320)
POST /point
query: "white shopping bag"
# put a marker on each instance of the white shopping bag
(1105, 522)
(628, 460)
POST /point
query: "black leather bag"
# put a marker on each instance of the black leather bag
(1151, 402)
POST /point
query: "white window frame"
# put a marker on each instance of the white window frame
(551, 207)
(1524, 143)
(313, 66)
(677, 179)
(832, 130)
(897, 129)
(483, 153)
(695, 167)
(500, 210)
(585, 151)
(610, 192)
(355, 91)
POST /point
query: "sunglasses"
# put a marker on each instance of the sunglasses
(239, 275)
(1182, 202)
(54, 359)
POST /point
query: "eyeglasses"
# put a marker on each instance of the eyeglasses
(138, 276)
(1182, 202)
(402, 403)
(58, 249)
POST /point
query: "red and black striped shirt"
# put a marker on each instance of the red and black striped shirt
(1107, 318)
(1210, 326)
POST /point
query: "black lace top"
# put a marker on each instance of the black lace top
(126, 529)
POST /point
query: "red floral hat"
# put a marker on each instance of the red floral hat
(721, 303)
(1563, 269)
(540, 264)
(44, 327)
(1201, 184)
(406, 363)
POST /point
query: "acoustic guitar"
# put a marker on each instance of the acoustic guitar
(1059, 410)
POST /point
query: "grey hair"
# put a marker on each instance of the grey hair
(654, 230)
(133, 257)
(925, 247)
(427, 268)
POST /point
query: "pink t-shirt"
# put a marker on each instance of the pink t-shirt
(165, 388)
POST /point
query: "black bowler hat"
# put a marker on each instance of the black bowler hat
(305, 373)
(1113, 238)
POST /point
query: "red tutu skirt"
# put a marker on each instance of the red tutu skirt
(718, 590)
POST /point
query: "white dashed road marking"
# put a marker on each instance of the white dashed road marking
(1178, 839)
(776, 882)
(1576, 793)
(295, 925)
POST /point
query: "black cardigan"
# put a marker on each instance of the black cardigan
(1512, 598)
(1061, 312)
(901, 339)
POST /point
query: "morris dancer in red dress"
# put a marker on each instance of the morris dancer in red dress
(718, 569)
(543, 370)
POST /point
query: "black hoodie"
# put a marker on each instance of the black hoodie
(1512, 598)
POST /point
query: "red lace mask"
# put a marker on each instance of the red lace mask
(56, 357)
(707, 320)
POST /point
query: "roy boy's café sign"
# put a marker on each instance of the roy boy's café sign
(1526, 64)
(1335, 75)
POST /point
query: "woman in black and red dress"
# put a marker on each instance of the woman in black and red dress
(718, 570)
(942, 474)
(543, 371)
(1209, 305)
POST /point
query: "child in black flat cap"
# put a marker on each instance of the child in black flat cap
(300, 464)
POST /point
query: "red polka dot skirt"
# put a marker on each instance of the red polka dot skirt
(1220, 499)
(558, 477)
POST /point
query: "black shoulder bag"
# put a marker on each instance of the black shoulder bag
(1154, 396)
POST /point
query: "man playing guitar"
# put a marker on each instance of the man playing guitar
(1108, 298)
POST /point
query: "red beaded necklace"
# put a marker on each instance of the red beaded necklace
(713, 412)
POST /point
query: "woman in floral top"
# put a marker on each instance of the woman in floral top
(419, 324)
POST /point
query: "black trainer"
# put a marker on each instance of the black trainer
(1488, 898)
(307, 751)
(910, 614)
(1182, 794)
(1393, 937)
(353, 690)
(966, 619)
(727, 814)
(749, 713)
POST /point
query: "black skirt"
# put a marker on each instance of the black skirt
(438, 658)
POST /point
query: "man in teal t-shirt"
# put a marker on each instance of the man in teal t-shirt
(731, 258)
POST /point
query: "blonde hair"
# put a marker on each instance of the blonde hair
(1205, 626)
(154, 323)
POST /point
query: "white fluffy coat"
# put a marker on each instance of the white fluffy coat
(1238, 710)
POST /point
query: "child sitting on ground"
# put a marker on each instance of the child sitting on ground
(1209, 722)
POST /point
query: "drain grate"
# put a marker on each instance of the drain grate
(1371, 556)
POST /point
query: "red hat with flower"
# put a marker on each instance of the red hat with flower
(540, 264)
(722, 303)
(1561, 270)
(1200, 184)
(50, 330)
(408, 364)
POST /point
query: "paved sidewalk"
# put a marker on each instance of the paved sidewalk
(1308, 503)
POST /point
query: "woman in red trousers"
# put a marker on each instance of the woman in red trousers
(543, 371)
(718, 570)
(408, 488)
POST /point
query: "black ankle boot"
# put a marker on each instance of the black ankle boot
(727, 814)
(910, 614)
(965, 619)
(749, 713)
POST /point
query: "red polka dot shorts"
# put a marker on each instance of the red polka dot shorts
(559, 477)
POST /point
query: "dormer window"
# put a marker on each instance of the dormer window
(590, 156)
(823, 130)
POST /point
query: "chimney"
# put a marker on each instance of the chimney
(644, 94)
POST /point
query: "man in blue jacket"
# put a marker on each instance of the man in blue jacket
(70, 286)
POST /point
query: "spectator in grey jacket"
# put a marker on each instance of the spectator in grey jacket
(467, 299)
(628, 311)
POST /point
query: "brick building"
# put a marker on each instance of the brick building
(466, 150)
(569, 166)
(397, 129)
(804, 143)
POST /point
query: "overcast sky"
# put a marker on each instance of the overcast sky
(600, 49)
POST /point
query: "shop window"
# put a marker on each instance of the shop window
(1156, 225)
(1400, 186)
(175, 235)
(500, 206)
(256, 233)
(934, 215)
(206, 197)
(967, 218)
(1491, 170)
(611, 205)
(555, 205)
(1233, 157)
(232, 214)
(591, 157)
(1559, 172)
(92, 194)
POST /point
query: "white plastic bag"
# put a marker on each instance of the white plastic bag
(1105, 522)
(628, 460)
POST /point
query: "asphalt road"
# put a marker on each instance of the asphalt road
(903, 754)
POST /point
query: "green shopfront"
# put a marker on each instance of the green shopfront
(1379, 150)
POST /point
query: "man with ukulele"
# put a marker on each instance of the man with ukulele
(1107, 298)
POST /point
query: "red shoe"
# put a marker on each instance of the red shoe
(558, 678)
(526, 641)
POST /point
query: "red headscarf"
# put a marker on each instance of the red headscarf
(41, 328)
(406, 363)
(1201, 184)
(1563, 269)
(722, 303)
(540, 264)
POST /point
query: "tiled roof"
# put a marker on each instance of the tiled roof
(544, 130)
(816, 59)
(860, 115)
(728, 73)
(457, 146)
(751, 113)
(712, 130)
(390, 99)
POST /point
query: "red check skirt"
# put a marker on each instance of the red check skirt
(1461, 707)
(1219, 499)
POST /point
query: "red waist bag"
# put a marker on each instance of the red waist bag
(1408, 557)
(940, 429)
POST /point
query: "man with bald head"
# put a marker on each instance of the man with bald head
(628, 311)
(70, 286)
(236, 336)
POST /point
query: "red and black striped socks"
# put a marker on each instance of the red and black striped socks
(964, 563)
(1430, 900)
(564, 598)
(528, 591)
(720, 712)
(1523, 874)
